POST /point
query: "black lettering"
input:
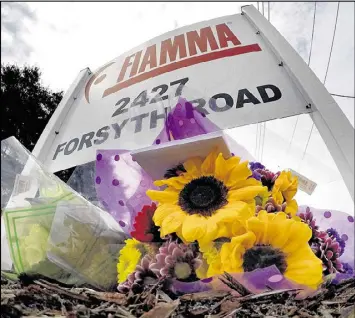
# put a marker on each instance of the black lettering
(199, 105)
(139, 120)
(228, 100)
(264, 95)
(86, 139)
(58, 150)
(250, 98)
(101, 133)
(118, 128)
(154, 117)
(181, 83)
(122, 103)
(140, 100)
(67, 150)
(158, 97)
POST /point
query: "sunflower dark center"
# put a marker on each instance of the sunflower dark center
(261, 256)
(203, 196)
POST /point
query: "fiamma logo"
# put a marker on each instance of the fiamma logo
(172, 54)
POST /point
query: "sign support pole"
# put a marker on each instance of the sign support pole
(52, 129)
(333, 126)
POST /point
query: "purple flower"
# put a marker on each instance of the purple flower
(256, 165)
(256, 175)
(327, 249)
(308, 218)
(347, 269)
(333, 233)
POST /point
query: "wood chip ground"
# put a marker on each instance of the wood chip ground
(41, 298)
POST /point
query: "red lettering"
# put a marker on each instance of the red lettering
(211, 56)
(171, 48)
(225, 35)
(127, 62)
(150, 58)
(206, 36)
(135, 65)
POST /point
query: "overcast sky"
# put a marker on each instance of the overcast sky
(63, 38)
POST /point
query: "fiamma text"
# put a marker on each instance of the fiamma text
(183, 50)
(218, 103)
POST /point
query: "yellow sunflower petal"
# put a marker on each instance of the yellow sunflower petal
(193, 166)
(220, 168)
(291, 207)
(207, 167)
(264, 218)
(246, 193)
(300, 255)
(246, 183)
(289, 193)
(163, 211)
(232, 162)
(236, 228)
(231, 212)
(211, 231)
(299, 235)
(194, 227)
(306, 272)
(239, 173)
(277, 196)
(172, 222)
(274, 225)
(280, 181)
(214, 269)
(281, 234)
(259, 228)
(166, 196)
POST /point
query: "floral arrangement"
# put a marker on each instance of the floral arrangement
(209, 215)
(214, 215)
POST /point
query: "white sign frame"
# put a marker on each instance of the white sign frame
(333, 126)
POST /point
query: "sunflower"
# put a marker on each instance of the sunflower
(201, 203)
(284, 190)
(271, 239)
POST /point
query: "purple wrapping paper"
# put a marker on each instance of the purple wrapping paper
(121, 185)
(184, 121)
(258, 281)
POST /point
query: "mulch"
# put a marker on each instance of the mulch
(40, 298)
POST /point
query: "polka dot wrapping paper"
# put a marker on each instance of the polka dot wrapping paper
(121, 185)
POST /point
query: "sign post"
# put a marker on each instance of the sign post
(53, 127)
(334, 127)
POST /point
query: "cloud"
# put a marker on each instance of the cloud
(297, 32)
(14, 19)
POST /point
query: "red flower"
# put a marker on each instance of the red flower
(144, 228)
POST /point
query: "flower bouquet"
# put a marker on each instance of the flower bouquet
(216, 213)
